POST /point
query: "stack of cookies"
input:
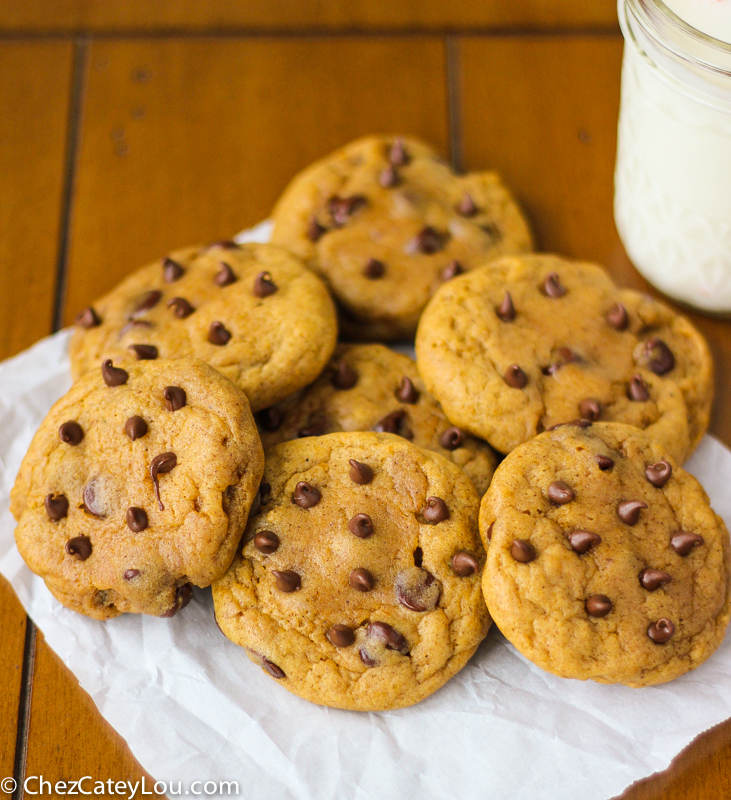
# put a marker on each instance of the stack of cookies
(237, 421)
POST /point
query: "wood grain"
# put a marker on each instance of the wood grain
(191, 140)
(295, 15)
(12, 636)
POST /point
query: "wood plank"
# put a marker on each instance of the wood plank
(294, 15)
(190, 140)
(12, 636)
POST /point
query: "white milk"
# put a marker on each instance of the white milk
(712, 17)
(673, 174)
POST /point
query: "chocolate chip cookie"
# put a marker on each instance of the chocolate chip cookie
(604, 558)
(369, 387)
(525, 343)
(385, 221)
(137, 487)
(252, 311)
(359, 582)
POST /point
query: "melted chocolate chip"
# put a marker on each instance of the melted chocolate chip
(383, 632)
(316, 428)
(266, 542)
(144, 352)
(590, 408)
(360, 473)
(658, 474)
(306, 495)
(515, 377)
(397, 155)
(394, 423)
(135, 428)
(451, 439)
(345, 376)
(684, 541)
(552, 286)
(272, 669)
(341, 635)
(287, 580)
(71, 433)
(315, 230)
(374, 269)
(136, 519)
(464, 564)
(629, 511)
(389, 177)
(91, 502)
(563, 356)
(135, 324)
(617, 317)
(361, 526)
(407, 392)
(223, 244)
(582, 541)
(160, 465)
(489, 531)
(506, 309)
(560, 494)
(57, 506)
(88, 318)
(598, 605)
(183, 595)
(575, 423)
(452, 269)
(218, 334)
(661, 631)
(171, 271)
(417, 589)
(435, 510)
(270, 419)
(342, 208)
(181, 308)
(658, 355)
(146, 301)
(79, 546)
(652, 579)
(225, 276)
(174, 397)
(637, 389)
(113, 376)
(604, 462)
(522, 551)
(428, 241)
(131, 573)
(264, 286)
(467, 207)
(361, 580)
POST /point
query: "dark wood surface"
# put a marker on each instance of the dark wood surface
(115, 148)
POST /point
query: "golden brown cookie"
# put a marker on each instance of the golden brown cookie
(525, 343)
(385, 221)
(604, 559)
(359, 583)
(252, 311)
(369, 387)
(137, 486)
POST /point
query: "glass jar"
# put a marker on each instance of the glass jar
(672, 201)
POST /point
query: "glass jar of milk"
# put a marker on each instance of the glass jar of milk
(672, 202)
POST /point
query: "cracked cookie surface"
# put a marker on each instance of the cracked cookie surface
(137, 486)
(385, 221)
(252, 311)
(605, 560)
(525, 343)
(369, 387)
(358, 585)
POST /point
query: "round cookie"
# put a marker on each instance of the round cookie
(525, 343)
(359, 582)
(252, 311)
(385, 221)
(604, 559)
(137, 486)
(369, 387)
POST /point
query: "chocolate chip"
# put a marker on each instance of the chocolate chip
(629, 511)
(287, 580)
(361, 580)
(113, 376)
(360, 473)
(161, 465)
(684, 541)
(223, 244)
(270, 419)
(515, 377)
(273, 669)
(341, 635)
(661, 631)
(506, 309)
(652, 579)
(552, 286)
(522, 551)
(451, 439)
(79, 546)
(397, 155)
(146, 301)
(374, 269)
(428, 241)
(134, 324)
(389, 177)
(136, 519)
(218, 334)
(131, 573)
(464, 564)
(598, 605)
(71, 433)
(144, 352)
(417, 589)
(489, 531)
(306, 495)
(91, 502)
(590, 408)
(315, 230)
(264, 286)
(637, 389)
(57, 507)
(383, 632)
(560, 494)
(435, 510)
(174, 397)
(183, 595)
(562, 356)
(452, 269)
(88, 318)
(266, 542)
(467, 207)
(407, 392)
(617, 317)
(181, 307)
(316, 428)
(366, 658)
(394, 423)
(658, 474)
(361, 526)
(225, 276)
(171, 271)
(582, 541)
(345, 376)
(574, 423)
(342, 208)
(135, 428)
(659, 357)
(604, 462)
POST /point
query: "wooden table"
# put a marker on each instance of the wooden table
(130, 127)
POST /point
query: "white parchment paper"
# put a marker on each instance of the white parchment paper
(193, 707)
